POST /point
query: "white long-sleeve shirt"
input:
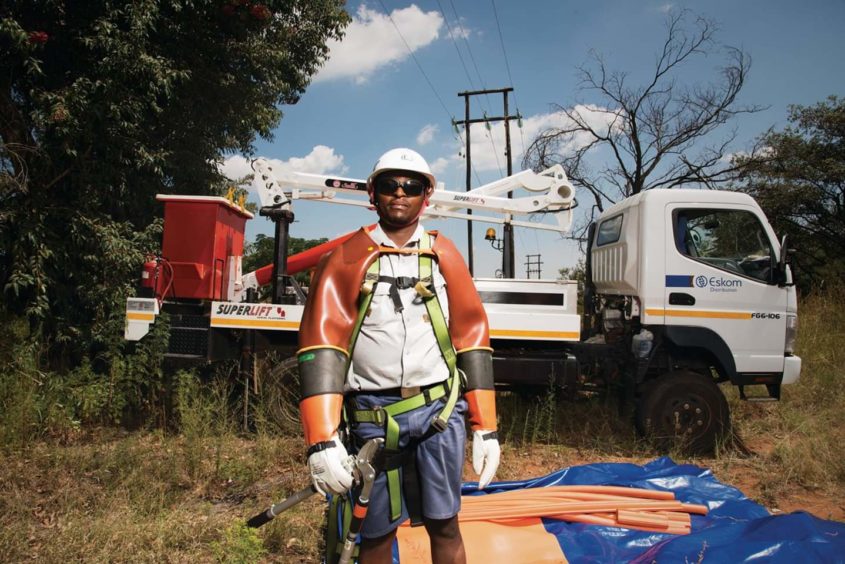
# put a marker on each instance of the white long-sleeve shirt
(398, 349)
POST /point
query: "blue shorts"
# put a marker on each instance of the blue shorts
(440, 461)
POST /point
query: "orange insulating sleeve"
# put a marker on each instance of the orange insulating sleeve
(481, 408)
(682, 518)
(642, 518)
(579, 493)
(613, 506)
(541, 509)
(617, 490)
(320, 416)
(306, 259)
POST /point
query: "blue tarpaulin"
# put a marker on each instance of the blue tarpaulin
(735, 529)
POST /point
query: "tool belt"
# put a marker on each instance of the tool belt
(394, 458)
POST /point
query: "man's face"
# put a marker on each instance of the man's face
(399, 197)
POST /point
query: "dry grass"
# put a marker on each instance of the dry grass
(143, 498)
(101, 494)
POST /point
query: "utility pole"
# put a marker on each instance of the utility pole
(508, 270)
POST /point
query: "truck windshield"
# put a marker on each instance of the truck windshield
(732, 240)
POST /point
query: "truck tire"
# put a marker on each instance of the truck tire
(279, 395)
(683, 409)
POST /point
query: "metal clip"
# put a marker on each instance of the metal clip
(370, 281)
(422, 288)
(379, 415)
(439, 425)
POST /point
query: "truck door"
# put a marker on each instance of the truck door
(720, 267)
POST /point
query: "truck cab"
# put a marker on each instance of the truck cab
(697, 282)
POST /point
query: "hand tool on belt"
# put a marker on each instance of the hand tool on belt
(366, 472)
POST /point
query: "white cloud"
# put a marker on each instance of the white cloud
(235, 168)
(666, 8)
(372, 42)
(440, 165)
(321, 160)
(427, 133)
(761, 152)
(460, 30)
(484, 157)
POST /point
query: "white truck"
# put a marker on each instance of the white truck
(684, 289)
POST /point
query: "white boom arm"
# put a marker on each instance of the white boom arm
(551, 193)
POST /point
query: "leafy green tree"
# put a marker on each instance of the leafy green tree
(105, 103)
(260, 252)
(578, 273)
(801, 186)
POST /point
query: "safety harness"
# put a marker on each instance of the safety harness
(450, 389)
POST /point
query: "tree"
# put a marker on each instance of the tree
(800, 184)
(260, 252)
(103, 105)
(652, 135)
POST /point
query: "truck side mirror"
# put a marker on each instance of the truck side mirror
(782, 278)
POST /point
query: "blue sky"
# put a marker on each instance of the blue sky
(374, 94)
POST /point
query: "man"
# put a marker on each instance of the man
(394, 322)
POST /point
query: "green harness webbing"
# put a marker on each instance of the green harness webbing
(450, 389)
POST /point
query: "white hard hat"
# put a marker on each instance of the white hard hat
(401, 160)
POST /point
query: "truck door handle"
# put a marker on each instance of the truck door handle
(679, 298)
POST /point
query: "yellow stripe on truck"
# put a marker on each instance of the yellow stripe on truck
(259, 323)
(536, 334)
(700, 313)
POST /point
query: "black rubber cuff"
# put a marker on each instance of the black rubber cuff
(321, 371)
(477, 364)
(317, 447)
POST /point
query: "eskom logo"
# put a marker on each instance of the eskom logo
(718, 284)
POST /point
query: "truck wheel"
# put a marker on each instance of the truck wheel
(279, 394)
(683, 409)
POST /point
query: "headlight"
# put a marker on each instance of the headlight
(791, 333)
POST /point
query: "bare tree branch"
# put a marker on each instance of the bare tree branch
(659, 134)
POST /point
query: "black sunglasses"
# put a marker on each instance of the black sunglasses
(411, 187)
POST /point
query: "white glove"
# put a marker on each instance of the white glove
(485, 456)
(331, 469)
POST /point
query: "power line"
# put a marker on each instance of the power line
(455, 43)
(469, 50)
(508, 68)
(502, 43)
(481, 80)
(419, 66)
(492, 142)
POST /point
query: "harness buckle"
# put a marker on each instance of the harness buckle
(379, 415)
(439, 425)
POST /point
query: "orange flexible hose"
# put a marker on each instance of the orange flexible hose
(632, 508)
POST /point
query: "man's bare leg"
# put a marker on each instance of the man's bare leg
(378, 550)
(447, 545)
